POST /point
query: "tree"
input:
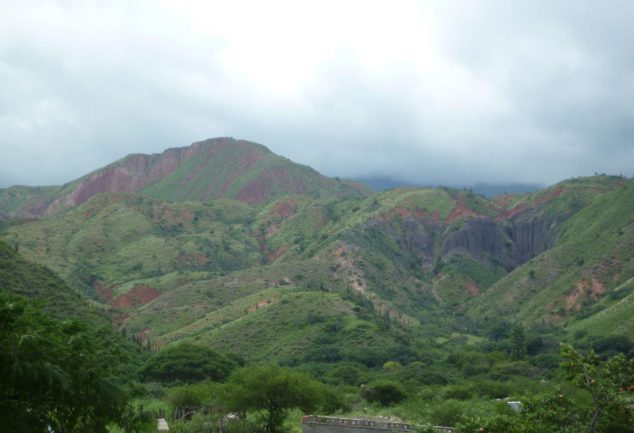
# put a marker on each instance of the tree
(606, 407)
(518, 341)
(55, 374)
(606, 381)
(187, 363)
(270, 391)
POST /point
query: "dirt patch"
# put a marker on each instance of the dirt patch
(504, 200)
(406, 213)
(245, 163)
(460, 211)
(168, 213)
(268, 184)
(119, 318)
(196, 259)
(137, 296)
(344, 264)
(284, 281)
(511, 212)
(284, 209)
(271, 230)
(597, 288)
(472, 289)
(341, 250)
(274, 255)
(186, 215)
(549, 196)
(104, 292)
(130, 175)
(584, 289)
(260, 304)
(255, 192)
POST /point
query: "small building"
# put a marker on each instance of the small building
(162, 425)
(516, 406)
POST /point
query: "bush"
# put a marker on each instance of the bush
(385, 392)
(496, 424)
(613, 344)
(345, 374)
(491, 389)
(459, 392)
(182, 397)
(448, 413)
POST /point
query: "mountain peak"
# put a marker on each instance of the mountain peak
(203, 171)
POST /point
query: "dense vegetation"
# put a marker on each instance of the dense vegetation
(58, 374)
(432, 305)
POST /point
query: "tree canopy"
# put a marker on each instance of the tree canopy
(270, 391)
(54, 374)
(187, 363)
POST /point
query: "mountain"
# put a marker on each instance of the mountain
(247, 252)
(226, 270)
(204, 171)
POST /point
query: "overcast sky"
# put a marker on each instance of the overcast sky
(451, 92)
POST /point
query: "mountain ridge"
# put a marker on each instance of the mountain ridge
(205, 170)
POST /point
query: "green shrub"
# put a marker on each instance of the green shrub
(385, 392)
(448, 413)
(459, 392)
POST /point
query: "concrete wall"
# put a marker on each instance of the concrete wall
(327, 424)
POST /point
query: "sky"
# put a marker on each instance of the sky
(431, 92)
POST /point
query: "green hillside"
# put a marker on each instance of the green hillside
(25, 201)
(22, 278)
(115, 239)
(424, 261)
(585, 279)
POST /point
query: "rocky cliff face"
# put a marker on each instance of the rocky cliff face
(410, 237)
(510, 243)
(478, 237)
(531, 237)
(505, 242)
(128, 175)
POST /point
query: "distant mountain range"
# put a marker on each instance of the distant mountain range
(225, 243)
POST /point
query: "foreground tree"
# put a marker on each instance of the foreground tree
(608, 382)
(270, 391)
(54, 374)
(603, 403)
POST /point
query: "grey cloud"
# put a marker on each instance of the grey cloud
(515, 92)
